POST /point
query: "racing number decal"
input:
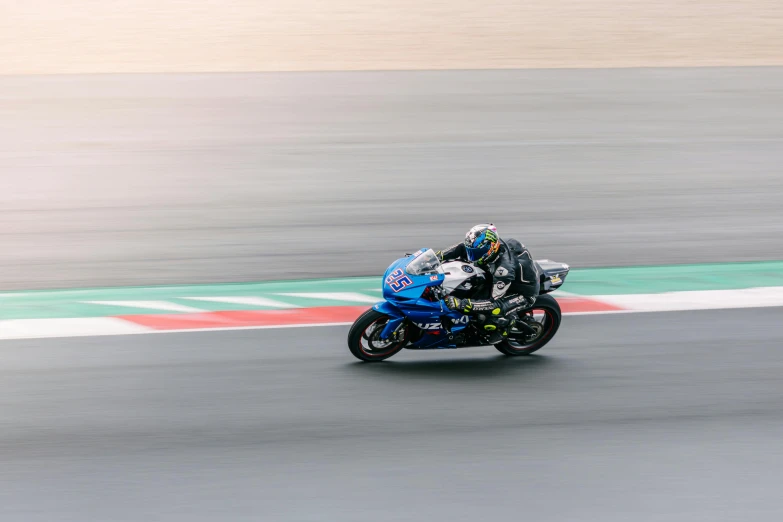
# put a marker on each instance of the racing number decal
(398, 280)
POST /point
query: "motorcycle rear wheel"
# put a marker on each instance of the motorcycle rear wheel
(546, 314)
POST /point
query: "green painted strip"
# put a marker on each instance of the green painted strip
(47, 304)
(42, 304)
(674, 278)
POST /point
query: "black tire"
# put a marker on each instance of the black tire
(357, 338)
(550, 310)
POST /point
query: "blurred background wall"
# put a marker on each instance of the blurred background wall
(89, 36)
(203, 162)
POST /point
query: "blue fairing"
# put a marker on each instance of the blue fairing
(403, 293)
(389, 309)
(392, 311)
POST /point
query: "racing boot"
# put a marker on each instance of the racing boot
(497, 323)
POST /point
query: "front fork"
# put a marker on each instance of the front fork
(392, 328)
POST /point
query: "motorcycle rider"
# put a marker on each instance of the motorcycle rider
(514, 276)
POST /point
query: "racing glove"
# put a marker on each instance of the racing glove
(461, 305)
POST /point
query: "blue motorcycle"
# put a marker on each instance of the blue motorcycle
(413, 314)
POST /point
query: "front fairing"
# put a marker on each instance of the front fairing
(403, 292)
(401, 286)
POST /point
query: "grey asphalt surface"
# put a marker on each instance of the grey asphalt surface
(146, 179)
(645, 417)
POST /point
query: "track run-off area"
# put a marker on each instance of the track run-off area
(114, 311)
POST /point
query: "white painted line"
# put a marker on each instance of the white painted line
(672, 301)
(698, 300)
(150, 305)
(74, 327)
(229, 328)
(109, 326)
(337, 296)
(250, 301)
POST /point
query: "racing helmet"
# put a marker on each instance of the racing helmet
(482, 244)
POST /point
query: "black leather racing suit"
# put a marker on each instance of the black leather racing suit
(515, 277)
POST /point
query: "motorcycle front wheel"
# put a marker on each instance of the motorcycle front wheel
(364, 337)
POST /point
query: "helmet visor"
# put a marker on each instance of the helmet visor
(476, 253)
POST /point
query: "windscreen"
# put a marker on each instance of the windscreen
(425, 263)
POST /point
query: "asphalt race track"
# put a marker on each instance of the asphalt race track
(162, 179)
(159, 179)
(643, 417)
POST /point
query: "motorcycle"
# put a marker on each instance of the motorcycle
(413, 315)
